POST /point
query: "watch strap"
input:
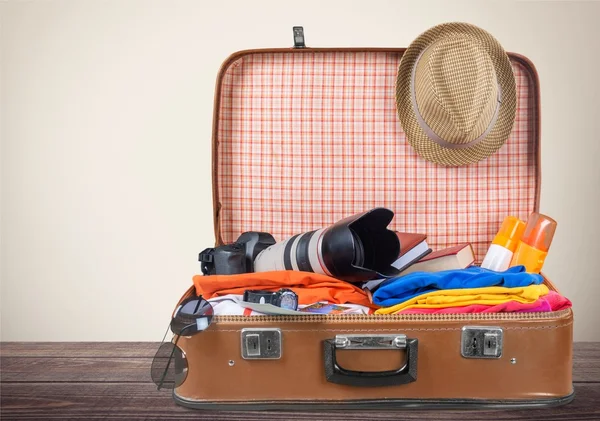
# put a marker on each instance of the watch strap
(255, 296)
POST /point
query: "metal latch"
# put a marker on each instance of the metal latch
(389, 341)
(261, 343)
(481, 342)
(299, 37)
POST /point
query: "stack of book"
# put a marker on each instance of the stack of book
(417, 256)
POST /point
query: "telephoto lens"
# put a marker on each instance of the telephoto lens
(356, 249)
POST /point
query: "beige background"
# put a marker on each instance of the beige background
(106, 111)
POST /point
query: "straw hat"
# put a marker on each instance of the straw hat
(455, 94)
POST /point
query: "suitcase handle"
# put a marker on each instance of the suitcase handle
(405, 374)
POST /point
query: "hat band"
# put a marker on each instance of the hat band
(431, 134)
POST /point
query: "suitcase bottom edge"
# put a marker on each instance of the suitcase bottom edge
(374, 404)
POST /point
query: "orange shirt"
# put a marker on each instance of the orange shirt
(310, 287)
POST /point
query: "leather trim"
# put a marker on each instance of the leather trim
(237, 55)
(375, 404)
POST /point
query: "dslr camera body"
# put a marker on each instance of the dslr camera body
(235, 258)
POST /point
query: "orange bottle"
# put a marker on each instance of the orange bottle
(505, 242)
(533, 248)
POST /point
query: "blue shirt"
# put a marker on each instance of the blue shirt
(397, 290)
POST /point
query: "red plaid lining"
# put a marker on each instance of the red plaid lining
(307, 139)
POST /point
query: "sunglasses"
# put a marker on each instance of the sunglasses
(169, 366)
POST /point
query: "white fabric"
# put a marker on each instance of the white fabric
(228, 305)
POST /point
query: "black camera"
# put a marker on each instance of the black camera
(235, 258)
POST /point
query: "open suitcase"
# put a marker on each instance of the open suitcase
(305, 136)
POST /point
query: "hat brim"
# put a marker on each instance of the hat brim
(417, 138)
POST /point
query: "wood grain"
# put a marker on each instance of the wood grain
(88, 369)
(79, 349)
(586, 362)
(111, 381)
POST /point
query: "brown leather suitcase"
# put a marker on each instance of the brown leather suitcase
(305, 136)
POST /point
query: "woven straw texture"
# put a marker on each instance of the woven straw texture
(305, 139)
(456, 90)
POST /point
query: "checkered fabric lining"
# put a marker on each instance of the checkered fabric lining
(305, 139)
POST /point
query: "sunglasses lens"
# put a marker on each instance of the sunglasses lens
(192, 316)
(169, 366)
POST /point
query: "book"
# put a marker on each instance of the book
(460, 256)
(413, 247)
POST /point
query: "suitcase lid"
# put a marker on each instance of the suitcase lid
(304, 137)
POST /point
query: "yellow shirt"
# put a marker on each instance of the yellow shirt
(467, 296)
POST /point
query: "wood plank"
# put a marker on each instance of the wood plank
(79, 349)
(586, 362)
(587, 346)
(143, 401)
(88, 369)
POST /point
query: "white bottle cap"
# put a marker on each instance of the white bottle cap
(497, 258)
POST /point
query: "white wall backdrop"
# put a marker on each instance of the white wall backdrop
(106, 111)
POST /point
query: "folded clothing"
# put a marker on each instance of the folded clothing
(229, 305)
(400, 289)
(552, 301)
(310, 287)
(469, 296)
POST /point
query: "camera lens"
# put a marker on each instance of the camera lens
(355, 249)
(359, 251)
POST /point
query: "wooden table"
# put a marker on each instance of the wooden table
(111, 381)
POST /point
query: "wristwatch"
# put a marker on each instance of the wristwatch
(284, 298)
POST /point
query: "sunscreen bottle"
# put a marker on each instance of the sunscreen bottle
(535, 243)
(505, 242)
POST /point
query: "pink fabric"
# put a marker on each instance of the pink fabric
(557, 302)
(307, 138)
(550, 302)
